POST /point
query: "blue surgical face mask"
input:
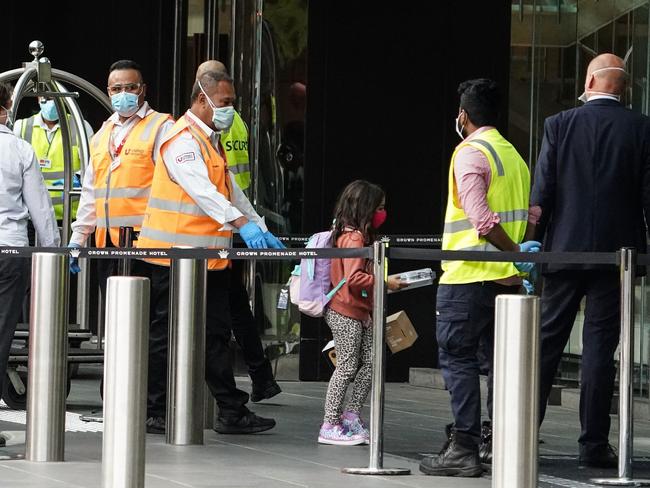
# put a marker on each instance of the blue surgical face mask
(222, 117)
(48, 110)
(125, 103)
(8, 122)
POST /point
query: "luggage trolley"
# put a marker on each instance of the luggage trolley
(38, 78)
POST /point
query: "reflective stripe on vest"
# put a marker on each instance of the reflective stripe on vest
(172, 217)
(121, 194)
(235, 144)
(53, 151)
(507, 196)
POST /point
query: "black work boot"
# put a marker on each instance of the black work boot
(460, 458)
(485, 447)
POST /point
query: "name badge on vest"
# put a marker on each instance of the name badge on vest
(44, 163)
(115, 164)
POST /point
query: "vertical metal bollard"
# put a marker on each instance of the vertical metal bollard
(626, 380)
(185, 390)
(516, 391)
(376, 463)
(125, 381)
(48, 355)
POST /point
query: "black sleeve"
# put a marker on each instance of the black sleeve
(544, 182)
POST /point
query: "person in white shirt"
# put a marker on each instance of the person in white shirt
(114, 194)
(195, 201)
(22, 195)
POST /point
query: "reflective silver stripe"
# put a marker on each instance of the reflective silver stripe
(52, 175)
(480, 247)
(128, 192)
(495, 156)
(239, 168)
(94, 141)
(56, 200)
(508, 216)
(173, 206)
(148, 129)
(125, 221)
(185, 239)
(28, 128)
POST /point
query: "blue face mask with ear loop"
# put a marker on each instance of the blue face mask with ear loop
(125, 103)
(222, 117)
(48, 110)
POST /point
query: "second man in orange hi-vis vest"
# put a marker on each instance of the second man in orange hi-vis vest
(115, 191)
(195, 202)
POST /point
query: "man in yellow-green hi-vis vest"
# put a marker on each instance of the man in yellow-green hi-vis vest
(235, 145)
(487, 210)
(42, 132)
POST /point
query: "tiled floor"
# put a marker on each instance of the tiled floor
(289, 456)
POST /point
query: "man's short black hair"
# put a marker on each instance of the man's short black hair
(126, 64)
(481, 99)
(5, 93)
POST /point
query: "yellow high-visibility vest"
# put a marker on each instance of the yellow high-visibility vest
(50, 159)
(507, 195)
(235, 144)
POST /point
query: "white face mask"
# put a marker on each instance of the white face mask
(459, 130)
(584, 98)
(7, 116)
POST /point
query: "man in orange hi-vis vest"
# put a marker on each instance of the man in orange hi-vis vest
(114, 194)
(195, 202)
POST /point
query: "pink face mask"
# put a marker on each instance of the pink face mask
(378, 218)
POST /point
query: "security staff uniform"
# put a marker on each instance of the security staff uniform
(465, 300)
(193, 197)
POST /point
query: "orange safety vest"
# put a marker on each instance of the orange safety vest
(121, 190)
(172, 217)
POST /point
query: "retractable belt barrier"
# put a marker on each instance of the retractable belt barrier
(626, 259)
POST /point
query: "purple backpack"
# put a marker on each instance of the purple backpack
(310, 284)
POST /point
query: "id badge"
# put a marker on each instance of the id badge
(44, 163)
(115, 164)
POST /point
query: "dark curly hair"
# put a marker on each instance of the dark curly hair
(481, 99)
(355, 208)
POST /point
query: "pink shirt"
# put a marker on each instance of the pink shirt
(472, 175)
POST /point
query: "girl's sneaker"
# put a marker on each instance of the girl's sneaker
(337, 435)
(353, 423)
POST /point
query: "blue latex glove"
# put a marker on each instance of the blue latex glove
(528, 246)
(252, 235)
(74, 262)
(273, 242)
(76, 182)
(529, 286)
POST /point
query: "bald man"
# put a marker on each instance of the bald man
(592, 190)
(234, 142)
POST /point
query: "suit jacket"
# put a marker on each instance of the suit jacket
(592, 180)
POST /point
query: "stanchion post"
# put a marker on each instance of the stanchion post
(376, 463)
(125, 381)
(48, 354)
(626, 378)
(516, 395)
(185, 391)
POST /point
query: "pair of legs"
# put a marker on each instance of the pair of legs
(465, 335)
(353, 344)
(561, 297)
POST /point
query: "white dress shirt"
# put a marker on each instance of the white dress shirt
(192, 176)
(23, 194)
(86, 220)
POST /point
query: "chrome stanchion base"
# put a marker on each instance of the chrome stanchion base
(376, 471)
(620, 482)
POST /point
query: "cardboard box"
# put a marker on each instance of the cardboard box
(400, 333)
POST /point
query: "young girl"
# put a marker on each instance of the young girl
(358, 213)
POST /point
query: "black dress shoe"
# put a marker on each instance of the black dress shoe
(485, 447)
(247, 424)
(603, 457)
(3, 441)
(156, 425)
(265, 391)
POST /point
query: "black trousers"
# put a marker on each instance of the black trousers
(465, 335)
(218, 364)
(561, 298)
(245, 329)
(14, 274)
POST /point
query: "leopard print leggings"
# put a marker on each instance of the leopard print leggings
(353, 344)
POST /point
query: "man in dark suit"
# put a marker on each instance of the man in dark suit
(592, 184)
